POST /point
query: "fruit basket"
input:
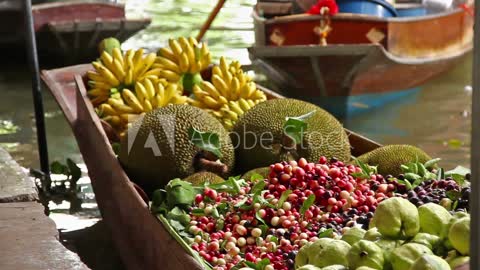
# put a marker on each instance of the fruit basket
(142, 242)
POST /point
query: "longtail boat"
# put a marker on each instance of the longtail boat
(363, 54)
(68, 30)
(143, 242)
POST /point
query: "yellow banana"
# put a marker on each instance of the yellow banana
(117, 55)
(107, 74)
(98, 92)
(113, 119)
(220, 85)
(119, 106)
(229, 114)
(150, 89)
(107, 109)
(210, 88)
(129, 117)
(118, 70)
(147, 63)
(140, 91)
(167, 53)
(92, 75)
(207, 60)
(183, 62)
(235, 108)
(224, 66)
(106, 59)
(210, 102)
(170, 75)
(99, 84)
(137, 61)
(193, 42)
(129, 77)
(183, 41)
(248, 90)
(217, 71)
(147, 105)
(128, 59)
(132, 100)
(175, 46)
(168, 64)
(244, 104)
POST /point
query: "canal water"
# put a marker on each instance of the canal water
(435, 117)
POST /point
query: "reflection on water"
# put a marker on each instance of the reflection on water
(436, 117)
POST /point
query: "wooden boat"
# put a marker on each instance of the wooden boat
(365, 54)
(142, 241)
(68, 31)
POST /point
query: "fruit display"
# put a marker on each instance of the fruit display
(230, 94)
(243, 182)
(316, 215)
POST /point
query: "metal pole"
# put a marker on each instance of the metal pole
(36, 87)
(475, 148)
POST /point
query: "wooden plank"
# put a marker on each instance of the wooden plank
(106, 25)
(30, 240)
(15, 184)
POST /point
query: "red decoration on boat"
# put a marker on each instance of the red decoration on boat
(330, 4)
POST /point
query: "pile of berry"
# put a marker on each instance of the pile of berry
(297, 202)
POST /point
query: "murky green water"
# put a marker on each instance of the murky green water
(437, 118)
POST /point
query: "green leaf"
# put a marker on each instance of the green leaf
(215, 213)
(259, 218)
(179, 193)
(431, 163)
(274, 239)
(159, 197)
(422, 171)
(176, 225)
(179, 215)
(219, 225)
(74, 170)
(307, 203)
(325, 233)
(454, 195)
(455, 205)
(258, 187)
(256, 177)
(207, 141)
(283, 197)
(295, 127)
(366, 169)
(405, 168)
(261, 264)
(58, 168)
(198, 212)
(440, 174)
(408, 185)
(412, 176)
(241, 202)
(264, 229)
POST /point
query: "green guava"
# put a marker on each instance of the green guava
(396, 218)
(372, 235)
(434, 219)
(430, 262)
(308, 267)
(387, 246)
(364, 268)
(365, 253)
(353, 235)
(403, 257)
(302, 256)
(459, 235)
(335, 267)
(333, 252)
(458, 261)
(426, 239)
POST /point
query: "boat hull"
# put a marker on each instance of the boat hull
(68, 32)
(364, 54)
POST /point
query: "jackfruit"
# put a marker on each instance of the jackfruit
(389, 158)
(159, 147)
(260, 138)
(199, 178)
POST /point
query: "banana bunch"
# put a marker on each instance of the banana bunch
(229, 113)
(118, 71)
(125, 106)
(185, 56)
(230, 93)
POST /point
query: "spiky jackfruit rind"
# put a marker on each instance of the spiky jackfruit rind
(161, 149)
(324, 135)
(200, 178)
(389, 158)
